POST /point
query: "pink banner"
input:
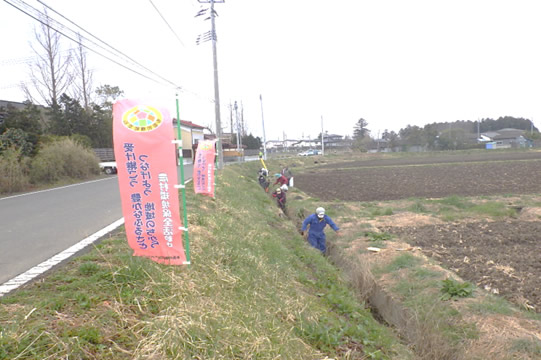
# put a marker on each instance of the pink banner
(203, 168)
(147, 173)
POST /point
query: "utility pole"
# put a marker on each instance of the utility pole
(242, 126)
(238, 127)
(322, 138)
(231, 116)
(263, 122)
(216, 87)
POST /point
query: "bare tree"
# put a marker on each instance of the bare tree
(50, 73)
(82, 85)
(244, 126)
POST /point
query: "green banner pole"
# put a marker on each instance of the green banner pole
(183, 187)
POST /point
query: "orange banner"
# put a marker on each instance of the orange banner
(147, 173)
(203, 168)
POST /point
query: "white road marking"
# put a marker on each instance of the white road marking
(37, 270)
(56, 188)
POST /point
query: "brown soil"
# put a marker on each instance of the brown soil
(391, 180)
(500, 257)
(503, 257)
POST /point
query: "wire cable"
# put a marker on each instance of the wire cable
(170, 28)
(115, 50)
(61, 33)
(40, 14)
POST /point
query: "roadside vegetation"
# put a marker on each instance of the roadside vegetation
(41, 146)
(255, 289)
(59, 160)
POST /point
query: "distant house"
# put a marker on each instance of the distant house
(283, 145)
(505, 139)
(332, 140)
(191, 134)
(309, 143)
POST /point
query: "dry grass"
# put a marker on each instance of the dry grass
(63, 159)
(13, 171)
(357, 271)
(423, 327)
(254, 290)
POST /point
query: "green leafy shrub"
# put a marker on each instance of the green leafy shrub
(453, 289)
(18, 139)
(374, 236)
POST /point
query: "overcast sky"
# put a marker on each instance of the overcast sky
(392, 62)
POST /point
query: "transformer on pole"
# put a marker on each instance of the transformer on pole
(216, 87)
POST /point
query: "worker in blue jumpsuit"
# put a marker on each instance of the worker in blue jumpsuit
(317, 222)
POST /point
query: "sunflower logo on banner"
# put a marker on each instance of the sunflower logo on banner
(142, 118)
(147, 174)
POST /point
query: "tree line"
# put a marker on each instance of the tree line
(61, 79)
(43, 144)
(457, 135)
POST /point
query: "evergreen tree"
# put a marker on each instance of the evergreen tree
(251, 141)
(18, 140)
(360, 129)
(412, 135)
(27, 119)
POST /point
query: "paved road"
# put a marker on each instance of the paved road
(36, 226)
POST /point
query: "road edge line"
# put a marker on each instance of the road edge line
(39, 269)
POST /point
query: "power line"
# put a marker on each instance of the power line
(115, 50)
(17, 61)
(12, 86)
(170, 28)
(40, 14)
(22, 60)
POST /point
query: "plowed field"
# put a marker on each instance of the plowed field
(425, 177)
(501, 256)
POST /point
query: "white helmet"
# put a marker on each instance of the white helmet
(320, 212)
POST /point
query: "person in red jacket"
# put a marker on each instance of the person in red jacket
(281, 179)
(280, 198)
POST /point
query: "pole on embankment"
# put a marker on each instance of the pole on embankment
(183, 188)
(322, 138)
(263, 122)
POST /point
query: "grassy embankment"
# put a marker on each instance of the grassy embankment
(255, 289)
